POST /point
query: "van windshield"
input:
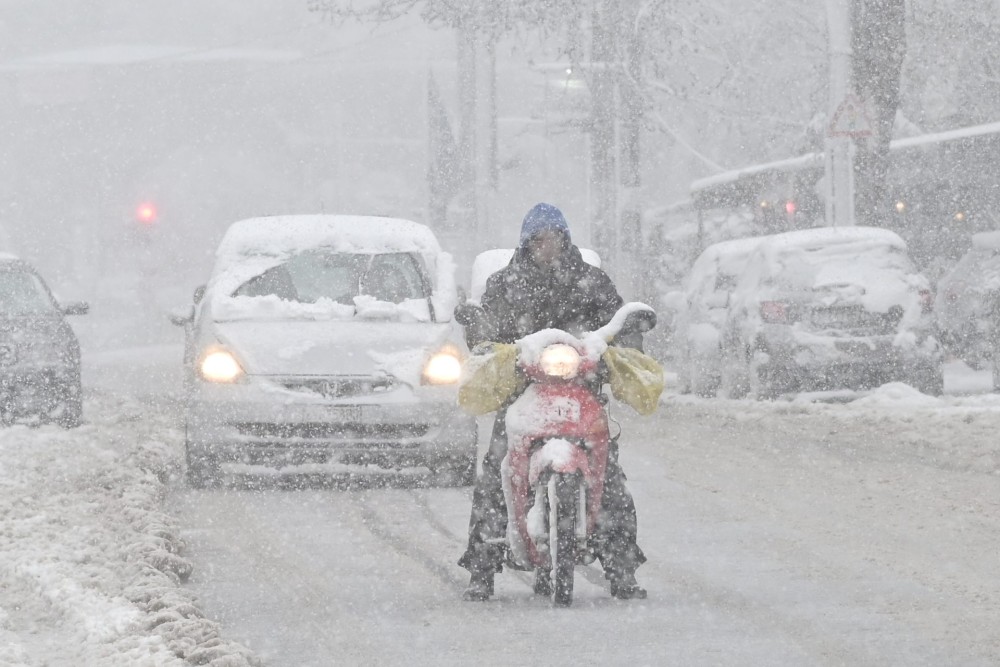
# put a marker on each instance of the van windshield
(318, 274)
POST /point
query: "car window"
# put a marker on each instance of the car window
(23, 293)
(322, 274)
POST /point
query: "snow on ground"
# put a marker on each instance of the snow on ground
(90, 566)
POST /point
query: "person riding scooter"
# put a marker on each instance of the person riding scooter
(547, 285)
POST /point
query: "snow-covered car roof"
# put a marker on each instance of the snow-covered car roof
(821, 237)
(865, 264)
(489, 262)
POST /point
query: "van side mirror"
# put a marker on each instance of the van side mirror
(199, 294)
(180, 317)
(75, 308)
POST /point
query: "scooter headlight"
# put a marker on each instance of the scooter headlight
(220, 366)
(560, 361)
(445, 367)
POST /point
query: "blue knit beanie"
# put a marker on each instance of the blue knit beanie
(543, 217)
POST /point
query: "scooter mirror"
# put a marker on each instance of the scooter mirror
(639, 321)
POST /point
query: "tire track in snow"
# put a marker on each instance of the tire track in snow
(404, 546)
(433, 520)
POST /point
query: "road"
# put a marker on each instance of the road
(777, 534)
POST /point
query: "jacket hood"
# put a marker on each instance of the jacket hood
(541, 218)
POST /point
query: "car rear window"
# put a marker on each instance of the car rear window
(802, 264)
(318, 274)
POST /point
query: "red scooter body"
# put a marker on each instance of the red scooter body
(554, 426)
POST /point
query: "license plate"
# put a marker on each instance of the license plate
(838, 317)
(346, 413)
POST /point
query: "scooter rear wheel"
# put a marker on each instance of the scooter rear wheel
(564, 494)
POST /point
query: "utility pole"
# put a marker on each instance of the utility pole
(839, 149)
(603, 126)
(630, 169)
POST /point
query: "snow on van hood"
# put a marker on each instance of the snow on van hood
(334, 347)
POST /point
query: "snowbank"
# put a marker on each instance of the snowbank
(90, 567)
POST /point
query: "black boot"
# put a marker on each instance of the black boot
(480, 586)
(543, 582)
(625, 587)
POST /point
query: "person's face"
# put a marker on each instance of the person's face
(545, 247)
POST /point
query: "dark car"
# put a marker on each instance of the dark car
(39, 353)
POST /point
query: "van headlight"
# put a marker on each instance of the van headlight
(444, 367)
(220, 366)
(560, 361)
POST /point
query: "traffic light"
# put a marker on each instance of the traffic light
(145, 213)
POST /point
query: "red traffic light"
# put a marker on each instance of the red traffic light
(145, 213)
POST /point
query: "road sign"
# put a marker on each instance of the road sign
(850, 120)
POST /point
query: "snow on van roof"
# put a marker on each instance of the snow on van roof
(288, 234)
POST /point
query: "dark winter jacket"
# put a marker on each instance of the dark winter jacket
(523, 298)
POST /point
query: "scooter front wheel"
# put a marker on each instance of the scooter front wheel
(564, 495)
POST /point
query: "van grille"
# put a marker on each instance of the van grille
(341, 387)
(331, 431)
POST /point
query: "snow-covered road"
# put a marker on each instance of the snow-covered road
(786, 533)
(777, 534)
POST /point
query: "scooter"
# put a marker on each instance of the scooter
(557, 450)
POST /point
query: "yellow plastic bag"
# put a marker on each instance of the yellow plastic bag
(490, 380)
(635, 378)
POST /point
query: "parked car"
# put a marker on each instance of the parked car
(830, 308)
(327, 339)
(39, 353)
(966, 298)
(700, 313)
